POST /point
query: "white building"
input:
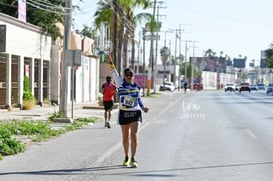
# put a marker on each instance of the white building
(29, 52)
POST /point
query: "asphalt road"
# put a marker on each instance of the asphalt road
(198, 136)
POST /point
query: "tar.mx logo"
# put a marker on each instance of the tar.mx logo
(192, 111)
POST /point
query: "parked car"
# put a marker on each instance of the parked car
(244, 87)
(229, 87)
(237, 87)
(167, 86)
(261, 86)
(254, 87)
(269, 88)
(197, 86)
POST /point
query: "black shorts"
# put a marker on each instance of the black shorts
(126, 117)
(108, 105)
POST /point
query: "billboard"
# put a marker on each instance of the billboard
(239, 62)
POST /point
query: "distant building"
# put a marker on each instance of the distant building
(239, 62)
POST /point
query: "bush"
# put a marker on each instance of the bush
(8, 145)
(28, 98)
(35, 130)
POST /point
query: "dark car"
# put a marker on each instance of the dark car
(244, 87)
(269, 88)
(261, 86)
(254, 87)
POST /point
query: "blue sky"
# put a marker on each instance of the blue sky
(236, 27)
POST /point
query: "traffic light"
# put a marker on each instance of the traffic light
(2, 38)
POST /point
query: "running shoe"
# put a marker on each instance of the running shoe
(126, 162)
(133, 163)
(108, 125)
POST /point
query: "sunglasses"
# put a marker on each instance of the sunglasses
(129, 75)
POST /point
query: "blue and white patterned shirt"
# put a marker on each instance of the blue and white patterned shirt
(129, 93)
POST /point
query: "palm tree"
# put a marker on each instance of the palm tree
(269, 56)
(134, 20)
(105, 15)
(125, 9)
(164, 53)
(210, 53)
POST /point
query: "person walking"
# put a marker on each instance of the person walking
(129, 117)
(108, 91)
(185, 87)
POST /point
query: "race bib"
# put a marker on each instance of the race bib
(129, 101)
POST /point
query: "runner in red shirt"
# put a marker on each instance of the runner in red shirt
(108, 91)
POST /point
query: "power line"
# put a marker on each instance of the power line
(47, 4)
(52, 11)
(126, 21)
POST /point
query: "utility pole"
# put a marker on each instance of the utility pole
(179, 74)
(64, 75)
(118, 64)
(192, 64)
(186, 57)
(175, 58)
(143, 71)
(175, 53)
(156, 46)
(151, 62)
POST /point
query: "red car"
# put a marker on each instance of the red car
(197, 86)
(244, 87)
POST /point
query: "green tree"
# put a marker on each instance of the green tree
(164, 53)
(125, 10)
(210, 53)
(137, 19)
(43, 14)
(269, 56)
(88, 32)
(9, 7)
(27, 94)
(189, 70)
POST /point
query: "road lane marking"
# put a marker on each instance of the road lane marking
(108, 153)
(115, 148)
(118, 146)
(251, 134)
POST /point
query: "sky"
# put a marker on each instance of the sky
(236, 27)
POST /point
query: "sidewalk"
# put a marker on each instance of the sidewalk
(91, 109)
(44, 112)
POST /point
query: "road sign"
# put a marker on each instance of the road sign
(73, 57)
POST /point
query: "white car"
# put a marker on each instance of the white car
(167, 86)
(229, 87)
